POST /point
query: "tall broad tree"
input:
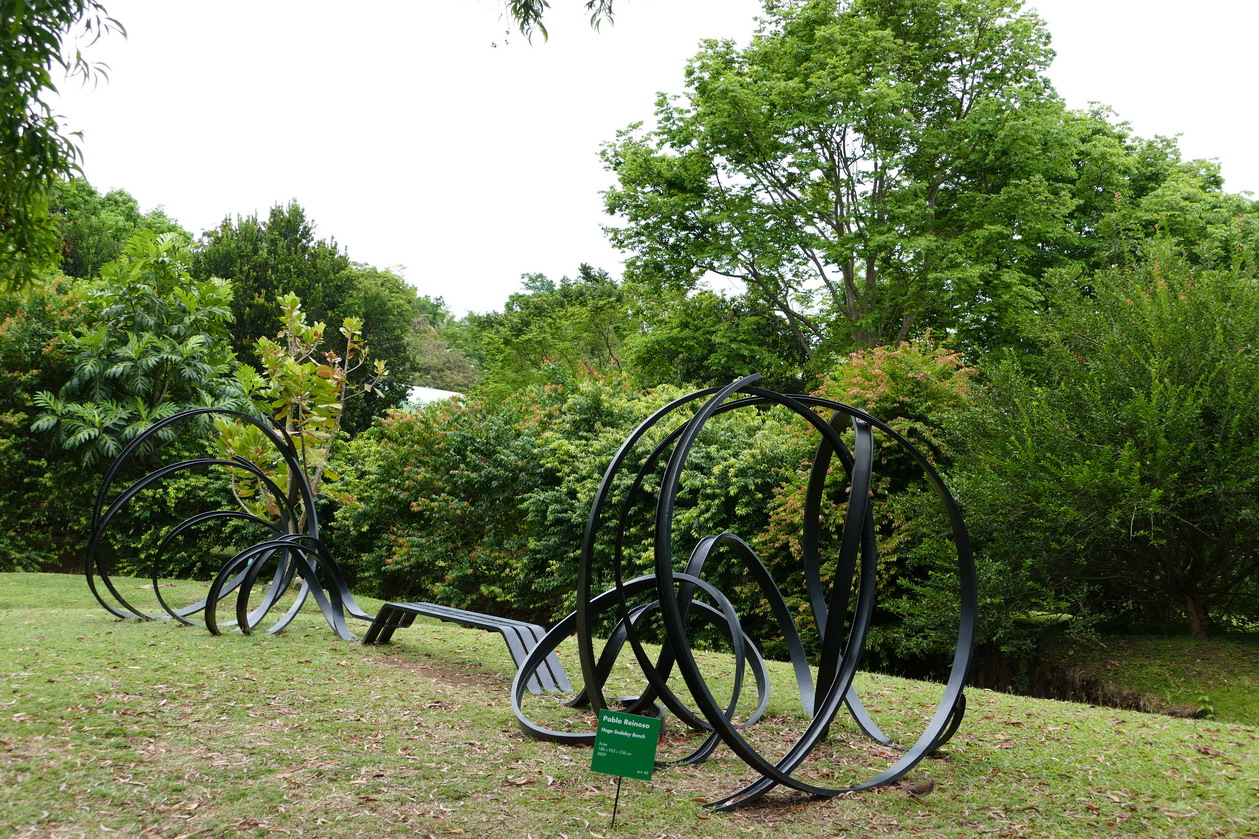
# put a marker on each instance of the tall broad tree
(267, 258)
(870, 168)
(37, 39)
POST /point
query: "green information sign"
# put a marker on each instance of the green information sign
(625, 745)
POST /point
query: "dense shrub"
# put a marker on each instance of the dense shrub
(919, 389)
(438, 516)
(1119, 466)
(43, 498)
(483, 504)
(148, 342)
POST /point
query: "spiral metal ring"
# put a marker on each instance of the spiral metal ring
(675, 599)
(297, 556)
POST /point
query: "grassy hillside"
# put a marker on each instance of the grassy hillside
(1185, 676)
(150, 729)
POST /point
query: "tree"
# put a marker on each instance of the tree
(440, 365)
(528, 13)
(1187, 206)
(94, 228)
(265, 259)
(387, 307)
(1121, 462)
(577, 325)
(432, 349)
(870, 169)
(268, 259)
(35, 151)
(703, 338)
(306, 386)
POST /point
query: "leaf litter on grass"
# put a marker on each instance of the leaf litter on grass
(152, 730)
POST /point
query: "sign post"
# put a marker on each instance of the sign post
(625, 746)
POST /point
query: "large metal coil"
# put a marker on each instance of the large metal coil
(291, 555)
(677, 591)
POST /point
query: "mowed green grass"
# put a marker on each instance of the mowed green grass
(149, 729)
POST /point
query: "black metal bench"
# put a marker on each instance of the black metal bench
(521, 637)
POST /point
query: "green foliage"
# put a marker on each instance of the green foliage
(578, 325)
(704, 338)
(94, 228)
(482, 503)
(442, 518)
(528, 14)
(151, 342)
(43, 499)
(1211, 228)
(306, 388)
(403, 329)
(35, 151)
(865, 162)
(872, 169)
(438, 364)
(655, 335)
(280, 255)
(919, 389)
(1120, 465)
(447, 352)
(264, 259)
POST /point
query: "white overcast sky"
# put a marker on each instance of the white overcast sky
(424, 137)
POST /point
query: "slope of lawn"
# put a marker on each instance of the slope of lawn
(150, 729)
(1217, 678)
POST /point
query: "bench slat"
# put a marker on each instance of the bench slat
(521, 637)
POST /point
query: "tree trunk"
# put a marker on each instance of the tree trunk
(1197, 618)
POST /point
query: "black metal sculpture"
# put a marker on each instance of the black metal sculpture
(676, 591)
(671, 594)
(294, 551)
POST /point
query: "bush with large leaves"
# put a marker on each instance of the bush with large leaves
(151, 342)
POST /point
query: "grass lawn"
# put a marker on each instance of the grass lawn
(148, 729)
(1218, 678)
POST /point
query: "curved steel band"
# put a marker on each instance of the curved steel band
(675, 595)
(296, 556)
